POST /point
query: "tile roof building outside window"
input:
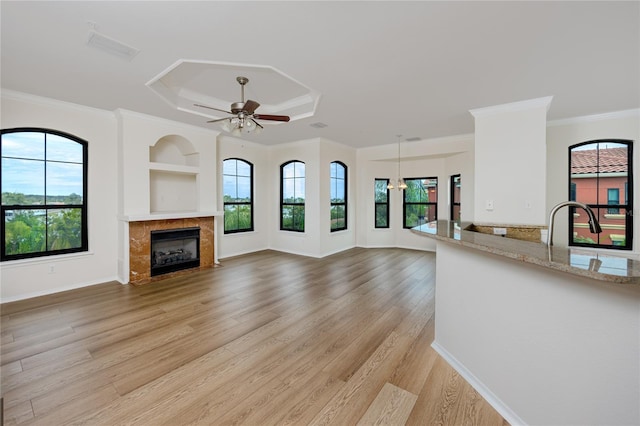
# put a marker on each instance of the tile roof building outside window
(601, 177)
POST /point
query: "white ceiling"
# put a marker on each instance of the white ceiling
(382, 68)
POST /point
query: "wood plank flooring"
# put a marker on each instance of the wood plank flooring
(265, 339)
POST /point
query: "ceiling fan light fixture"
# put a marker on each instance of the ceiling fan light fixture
(228, 125)
(238, 126)
(244, 117)
(251, 127)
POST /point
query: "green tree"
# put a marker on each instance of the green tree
(237, 217)
(25, 232)
(73, 198)
(293, 217)
(13, 199)
(64, 229)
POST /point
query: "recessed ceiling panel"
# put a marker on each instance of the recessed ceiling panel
(189, 82)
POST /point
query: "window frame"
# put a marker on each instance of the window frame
(284, 204)
(238, 203)
(603, 208)
(377, 203)
(333, 203)
(83, 206)
(406, 204)
(452, 206)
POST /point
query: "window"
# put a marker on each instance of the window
(455, 198)
(44, 193)
(292, 196)
(599, 173)
(381, 203)
(237, 178)
(420, 204)
(338, 196)
(613, 198)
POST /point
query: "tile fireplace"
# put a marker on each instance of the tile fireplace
(175, 238)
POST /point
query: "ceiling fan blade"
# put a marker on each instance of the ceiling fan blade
(250, 106)
(216, 109)
(271, 117)
(219, 119)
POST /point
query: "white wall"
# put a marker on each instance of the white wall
(263, 192)
(317, 240)
(564, 133)
(308, 242)
(462, 164)
(333, 242)
(510, 163)
(376, 162)
(543, 347)
(139, 132)
(31, 277)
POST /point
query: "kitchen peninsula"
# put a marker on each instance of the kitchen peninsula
(547, 335)
(587, 263)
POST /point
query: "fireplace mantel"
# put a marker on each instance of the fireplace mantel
(167, 215)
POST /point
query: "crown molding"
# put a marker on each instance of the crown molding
(41, 100)
(512, 107)
(595, 117)
(125, 113)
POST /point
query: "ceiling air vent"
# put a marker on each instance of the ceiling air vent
(109, 45)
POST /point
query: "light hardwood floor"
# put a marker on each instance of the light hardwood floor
(266, 339)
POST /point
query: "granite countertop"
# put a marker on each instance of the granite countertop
(586, 263)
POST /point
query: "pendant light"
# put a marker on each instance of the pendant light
(401, 183)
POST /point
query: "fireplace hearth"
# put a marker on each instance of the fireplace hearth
(174, 250)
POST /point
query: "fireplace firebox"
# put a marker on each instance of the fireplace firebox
(174, 250)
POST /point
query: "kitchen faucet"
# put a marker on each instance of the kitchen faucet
(594, 226)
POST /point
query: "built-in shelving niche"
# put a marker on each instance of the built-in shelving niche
(174, 166)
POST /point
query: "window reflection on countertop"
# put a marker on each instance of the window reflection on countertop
(596, 262)
(432, 228)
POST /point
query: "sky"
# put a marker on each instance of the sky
(26, 158)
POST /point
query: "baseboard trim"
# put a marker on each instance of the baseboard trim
(480, 387)
(239, 253)
(58, 290)
(406, 247)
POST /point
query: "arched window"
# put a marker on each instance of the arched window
(237, 178)
(338, 196)
(601, 176)
(44, 193)
(292, 196)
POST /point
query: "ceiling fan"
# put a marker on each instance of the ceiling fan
(243, 119)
